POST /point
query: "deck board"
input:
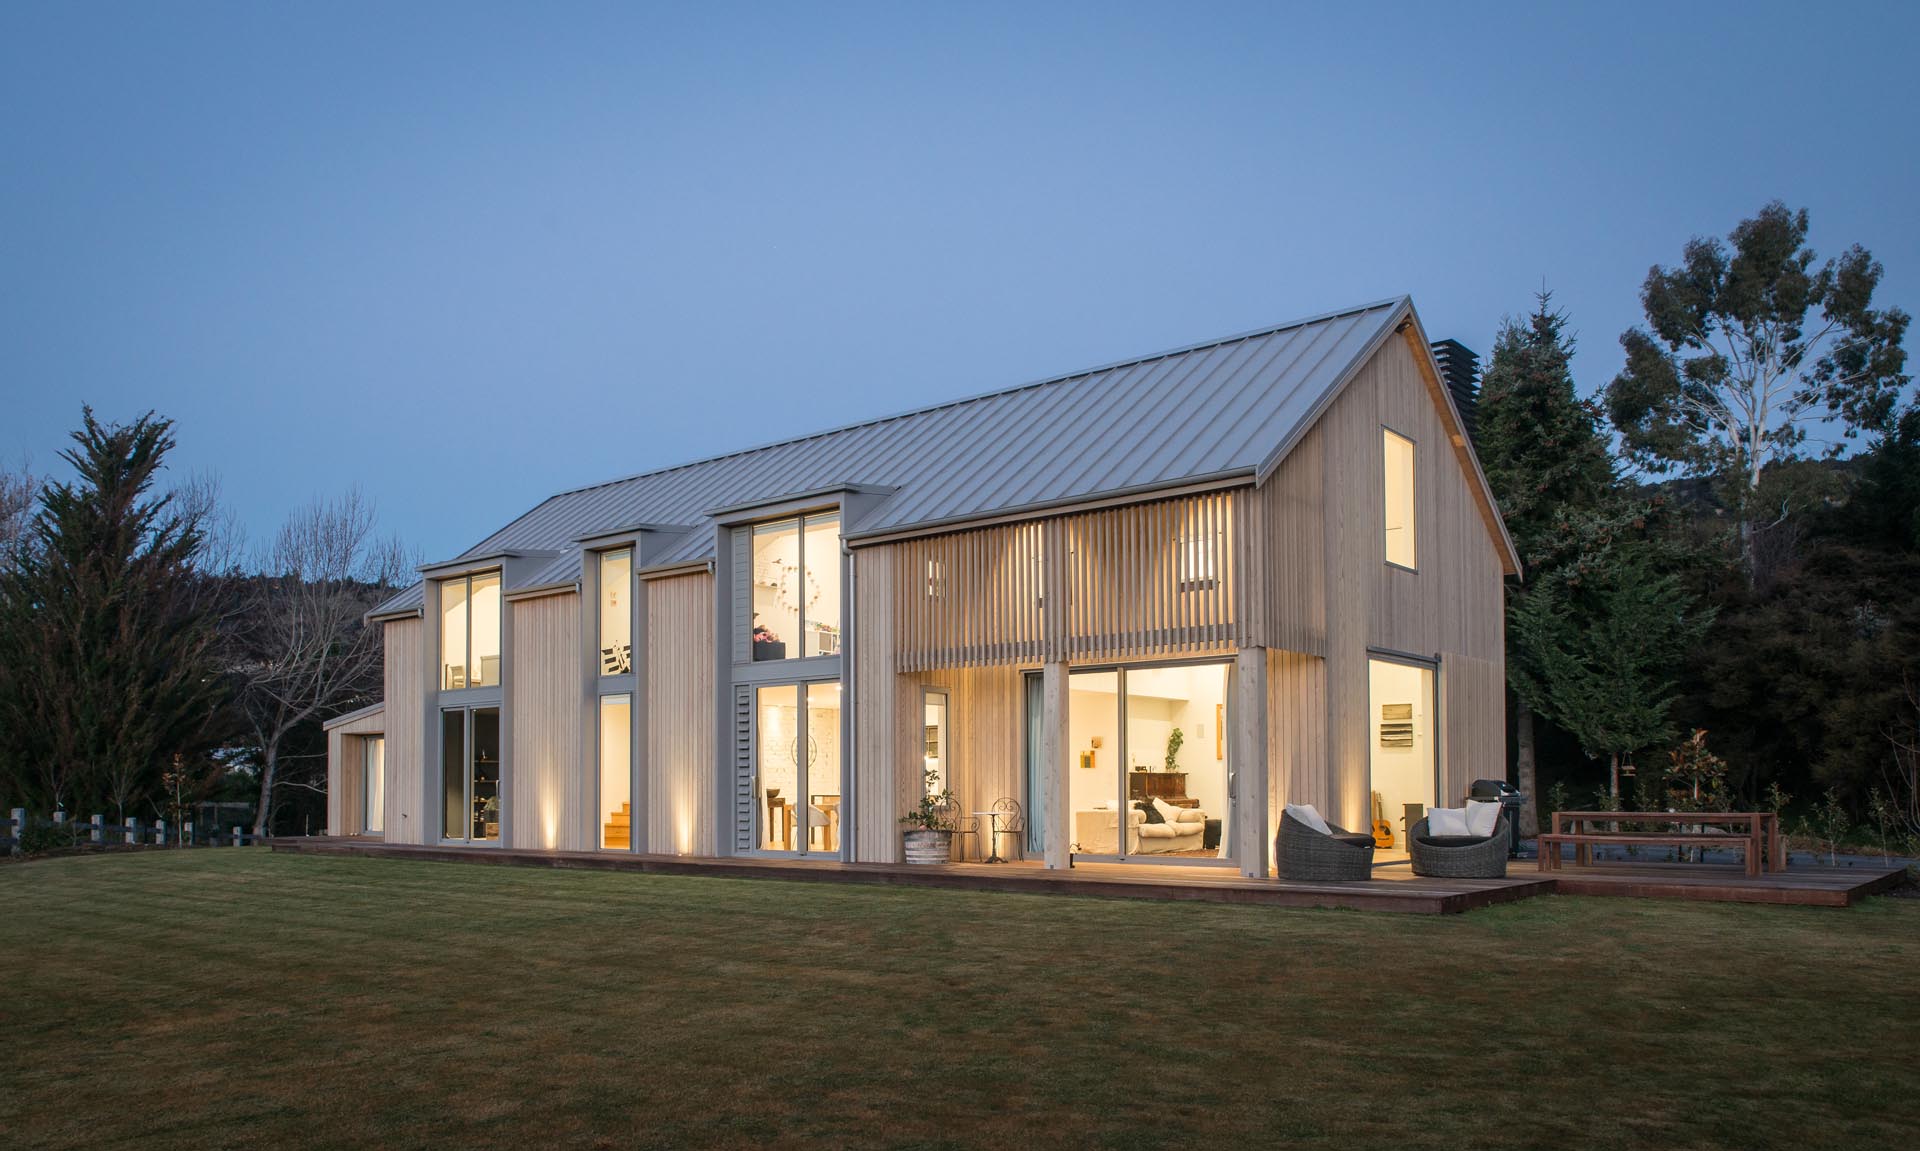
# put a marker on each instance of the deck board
(1394, 886)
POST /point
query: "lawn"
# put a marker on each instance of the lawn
(234, 998)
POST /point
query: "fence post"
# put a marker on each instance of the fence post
(236, 835)
(160, 832)
(186, 834)
(59, 816)
(132, 830)
(99, 830)
(18, 821)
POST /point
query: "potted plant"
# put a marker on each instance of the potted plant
(490, 816)
(767, 645)
(929, 826)
(1173, 749)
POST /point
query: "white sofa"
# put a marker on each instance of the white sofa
(1097, 832)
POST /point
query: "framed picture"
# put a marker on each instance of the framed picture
(1086, 760)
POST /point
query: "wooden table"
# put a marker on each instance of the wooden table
(1765, 848)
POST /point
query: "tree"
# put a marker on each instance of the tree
(301, 649)
(105, 647)
(18, 492)
(1749, 346)
(1603, 639)
(1546, 457)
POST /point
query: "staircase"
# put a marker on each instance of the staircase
(619, 829)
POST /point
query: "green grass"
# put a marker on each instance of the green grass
(233, 998)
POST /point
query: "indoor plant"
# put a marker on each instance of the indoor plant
(929, 826)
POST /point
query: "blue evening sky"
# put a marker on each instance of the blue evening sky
(467, 255)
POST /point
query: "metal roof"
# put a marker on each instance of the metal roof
(1222, 409)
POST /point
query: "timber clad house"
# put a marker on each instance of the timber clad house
(1261, 570)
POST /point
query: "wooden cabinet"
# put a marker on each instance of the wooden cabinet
(1168, 785)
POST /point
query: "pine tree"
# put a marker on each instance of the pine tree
(106, 647)
(1545, 454)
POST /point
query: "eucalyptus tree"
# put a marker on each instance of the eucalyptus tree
(1749, 346)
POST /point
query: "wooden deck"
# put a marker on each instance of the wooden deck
(1724, 883)
(1395, 887)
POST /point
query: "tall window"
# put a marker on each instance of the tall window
(934, 738)
(1399, 502)
(796, 588)
(616, 772)
(470, 632)
(797, 767)
(375, 789)
(616, 612)
(470, 773)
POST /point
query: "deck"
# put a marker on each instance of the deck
(1395, 887)
(1398, 890)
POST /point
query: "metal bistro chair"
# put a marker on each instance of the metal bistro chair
(1010, 830)
(964, 826)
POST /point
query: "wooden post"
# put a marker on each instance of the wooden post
(132, 831)
(186, 834)
(160, 832)
(99, 835)
(1249, 761)
(236, 835)
(1053, 790)
(18, 821)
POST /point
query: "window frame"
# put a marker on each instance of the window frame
(801, 523)
(466, 581)
(1412, 527)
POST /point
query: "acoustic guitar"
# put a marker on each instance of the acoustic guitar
(1382, 830)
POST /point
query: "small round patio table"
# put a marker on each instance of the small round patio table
(993, 822)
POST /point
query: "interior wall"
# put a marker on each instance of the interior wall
(1401, 775)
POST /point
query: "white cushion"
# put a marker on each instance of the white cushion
(1305, 813)
(1482, 817)
(1192, 815)
(1447, 821)
(1168, 812)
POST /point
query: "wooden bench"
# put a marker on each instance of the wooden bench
(1550, 844)
(1756, 833)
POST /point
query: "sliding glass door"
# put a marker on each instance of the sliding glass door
(1148, 775)
(470, 774)
(796, 786)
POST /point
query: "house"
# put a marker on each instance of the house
(1258, 570)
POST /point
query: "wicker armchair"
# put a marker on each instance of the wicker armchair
(1306, 854)
(1459, 857)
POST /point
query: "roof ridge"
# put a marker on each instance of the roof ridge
(1132, 361)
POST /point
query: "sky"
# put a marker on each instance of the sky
(464, 256)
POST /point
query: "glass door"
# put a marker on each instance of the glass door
(470, 774)
(1149, 776)
(796, 787)
(374, 788)
(1100, 818)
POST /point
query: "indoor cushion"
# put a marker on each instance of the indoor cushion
(1307, 814)
(1192, 815)
(1447, 821)
(1168, 812)
(1171, 830)
(1482, 817)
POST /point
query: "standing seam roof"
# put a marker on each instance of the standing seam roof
(1212, 409)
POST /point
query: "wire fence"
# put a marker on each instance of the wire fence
(22, 831)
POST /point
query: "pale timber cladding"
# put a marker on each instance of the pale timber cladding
(1291, 565)
(346, 745)
(1149, 580)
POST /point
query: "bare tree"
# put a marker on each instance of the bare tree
(302, 649)
(18, 492)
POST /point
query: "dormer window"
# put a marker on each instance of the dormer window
(616, 612)
(796, 588)
(470, 632)
(1399, 511)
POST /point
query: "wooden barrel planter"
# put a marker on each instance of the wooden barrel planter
(925, 846)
